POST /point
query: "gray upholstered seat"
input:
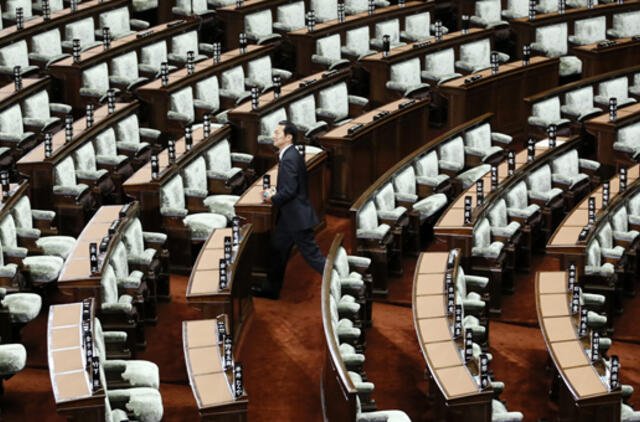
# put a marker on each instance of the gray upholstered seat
(106, 149)
(594, 264)
(133, 239)
(350, 269)
(385, 200)
(128, 133)
(488, 14)
(566, 169)
(119, 23)
(15, 54)
(368, 227)
(152, 56)
(589, 31)
(82, 30)
(23, 307)
(482, 244)
(499, 220)
(207, 95)
(452, 158)
(84, 159)
(143, 402)
(471, 301)
(46, 48)
(343, 327)
(259, 27)
(405, 78)
(219, 159)
(499, 413)
(379, 415)
(357, 43)
(546, 113)
(125, 279)
(551, 41)
(333, 103)
(36, 110)
(427, 171)
(405, 182)
(439, 66)
(260, 73)
(518, 202)
(291, 17)
(8, 270)
(540, 185)
(183, 43)
(620, 222)
(516, 9)
(628, 140)
(418, 27)
(328, 52)
(479, 141)
(353, 7)
(348, 354)
(633, 207)
(11, 126)
(325, 10)
(13, 358)
(112, 302)
(547, 6)
(144, 5)
(476, 55)
(608, 246)
(191, 7)
(65, 181)
(195, 185)
(95, 82)
(10, 10)
(582, 3)
(627, 414)
(302, 113)
(578, 103)
(617, 88)
(54, 6)
(172, 202)
(635, 88)
(347, 304)
(24, 216)
(124, 71)
(269, 123)
(220, 3)
(181, 106)
(233, 85)
(390, 28)
(625, 25)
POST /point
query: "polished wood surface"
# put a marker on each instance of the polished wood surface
(596, 60)
(606, 133)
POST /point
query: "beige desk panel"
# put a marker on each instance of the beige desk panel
(216, 240)
(67, 315)
(559, 328)
(212, 389)
(202, 333)
(72, 385)
(430, 306)
(205, 281)
(554, 305)
(456, 381)
(553, 282)
(205, 360)
(569, 354)
(443, 354)
(430, 284)
(62, 338)
(67, 360)
(434, 329)
(585, 381)
(433, 262)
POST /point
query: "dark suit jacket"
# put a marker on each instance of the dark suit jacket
(292, 194)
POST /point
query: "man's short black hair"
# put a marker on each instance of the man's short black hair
(289, 129)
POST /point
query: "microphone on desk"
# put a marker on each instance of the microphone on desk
(46, 10)
(89, 115)
(48, 140)
(74, 5)
(465, 24)
(340, 12)
(68, 128)
(106, 38)
(164, 73)
(311, 20)
(17, 77)
(532, 10)
(613, 108)
(277, 85)
(243, 42)
(188, 136)
(19, 18)
(372, 7)
(526, 54)
(495, 65)
(386, 44)
(75, 52)
(217, 48)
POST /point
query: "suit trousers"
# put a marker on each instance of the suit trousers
(281, 244)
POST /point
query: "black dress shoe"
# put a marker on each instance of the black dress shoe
(260, 291)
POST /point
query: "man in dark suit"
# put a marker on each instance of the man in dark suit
(296, 217)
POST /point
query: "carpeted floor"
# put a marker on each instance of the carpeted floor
(283, 352)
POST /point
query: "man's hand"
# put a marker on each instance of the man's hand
(266, 196)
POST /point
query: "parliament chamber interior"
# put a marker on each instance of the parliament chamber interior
(474, 166)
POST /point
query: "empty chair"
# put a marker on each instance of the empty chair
(302, 114)
(607, 241)
(621, 232)
(260, 73)
(233, 85)
(452, 159)
(427, 173)
(22, 307)
(197, 193)
(471, 301)
(334, 103)
(476, 56)
(82, 30)
(119, 307)
(357, 43)
(499, 413)
(181, 108)
(124, 72)
(95, 82)
(386, 206)
(24, 219)
(11, 5)
(566, 169)
(617, 88)
(480, 142)
(207, 100)
(38, 112)
(417, 27)
(46, 48)
(328, 52)
(268, 125)
(546, 113)
(259, 27)
(353, 7)
(107, 151)
(518, 202)
(483, 246)
(325, 10)
(551, 41)
(628, 140)
(66, 184)
(488, 14)
(625, 25)
(12, 133)
(15, 54)
(405, 78)
(13, 358)
(516, 9)
(379, 415)
(152, 56)
(347, 304)
(144, 5)
(191, 7)
(635, 88)
(226, 167)
(501, 226)
(87, 171)
(578, 104)
(594, 265)
(589, 31)
(119, 23)
(290, 17)
(390, 28)
(220, 3)
(440, 66)
(129, 136)
(540, 185)
(343, 327)
(183, 43)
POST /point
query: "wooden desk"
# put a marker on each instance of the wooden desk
(501, 93)
(459, 396)
(212, 386)
(360, 158)
(246, 121)
(203, 290)
(304, 41)
(9, 96)
(597, 60)
(70, 73)
(606, 133)
(157, 97)
(584, 396)
(71, 377)
(379, 67)
(263, 219)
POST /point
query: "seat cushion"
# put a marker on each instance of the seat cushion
(203, 223)
(23, 307)
(13, 357)
(56, 245)
(44, 268)
(222, 204)
(144, 403)
(430, 205)
(471, 176)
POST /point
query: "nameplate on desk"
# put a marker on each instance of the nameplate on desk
(468, 344)
(238, 389)
(113, 227)
(595, 346)
(86, 310)
(381, 115)
(88, 347)
(575, 301)
(95, 373)
(306, 83)
(227, 357)
(124, 210)
(583, 234)
(583, 323)
(406, 103)
(176, 23)
(484, 371)
(104, 244)
(221, 329)
(353, 129)
(572, 276)
(421, 44)
(457, 325)
(605, 44)
(329, 73)
(144, 34)
(614, 373)
(451, 260)
(472, 79)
